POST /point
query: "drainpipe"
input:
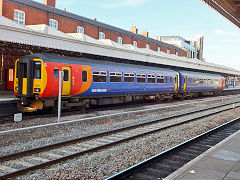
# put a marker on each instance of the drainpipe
(1, 80)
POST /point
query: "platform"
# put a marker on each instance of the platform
(7, 96)
(8, 103)
(221, 162)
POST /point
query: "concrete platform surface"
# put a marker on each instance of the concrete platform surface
(7, 96)
(221, 162)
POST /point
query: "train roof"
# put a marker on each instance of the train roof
(192, 73)
(48, 57)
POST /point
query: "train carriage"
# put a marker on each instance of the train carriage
(87, 82)
(195, 83)
(93, 82)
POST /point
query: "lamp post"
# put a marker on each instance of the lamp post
(59, 96)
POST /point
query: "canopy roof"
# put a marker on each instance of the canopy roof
(44, 36)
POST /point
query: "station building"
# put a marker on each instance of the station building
(27, 13)
(193, 47)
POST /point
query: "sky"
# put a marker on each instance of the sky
(185, 18)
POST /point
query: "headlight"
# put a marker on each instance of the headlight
(16, 88)
(37, 89)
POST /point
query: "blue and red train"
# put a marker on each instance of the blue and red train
(89, 82)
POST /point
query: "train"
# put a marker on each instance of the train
(89, 82)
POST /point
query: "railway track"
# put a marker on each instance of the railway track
(8, 109)
(25, 161)
(165, 163)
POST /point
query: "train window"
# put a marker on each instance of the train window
(175, 79)
(115, 77)
(141, 78)
(196, 81)
(84, 76)
(17, 69)
(160, 79)
(65, 75)
(151, 78)
(129, 77)
(55, 73)
(37, 70)
(22, 68)
(166, 79)
(99, 76)
(171, 80)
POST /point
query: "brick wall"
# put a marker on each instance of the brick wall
(50, 2)
(66, 25)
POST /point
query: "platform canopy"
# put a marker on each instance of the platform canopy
(47, 37)
(230, 9)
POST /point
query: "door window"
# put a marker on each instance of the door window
(65, 75)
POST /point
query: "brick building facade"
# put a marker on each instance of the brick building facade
(27, 12)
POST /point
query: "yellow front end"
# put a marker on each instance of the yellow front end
(35, 78)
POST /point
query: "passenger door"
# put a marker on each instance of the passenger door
(176, 82)
(185, 83)
(66, 85)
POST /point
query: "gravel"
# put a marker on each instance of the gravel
(107, 162)
(69, 116)
(20, 141)
(114, 159)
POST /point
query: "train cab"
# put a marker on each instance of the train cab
(29, 81)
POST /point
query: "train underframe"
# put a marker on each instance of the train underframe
(34, 104)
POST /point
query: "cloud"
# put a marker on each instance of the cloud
(221, 32)
(125, 3)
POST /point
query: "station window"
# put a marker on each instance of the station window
(129, 77)
(55, 73)
(166, 79)
(84, 76)
(37, 70)
(141, 78)
(80, 29)
(147, 46)
(176, 53)
(99, 76)
(160, 79)
(19, 17)
(151, 78)
(168, 52)
(158, 49)
(135, 43)
(115, 77)
(119, 40)
(53, 23)
(101, 35)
